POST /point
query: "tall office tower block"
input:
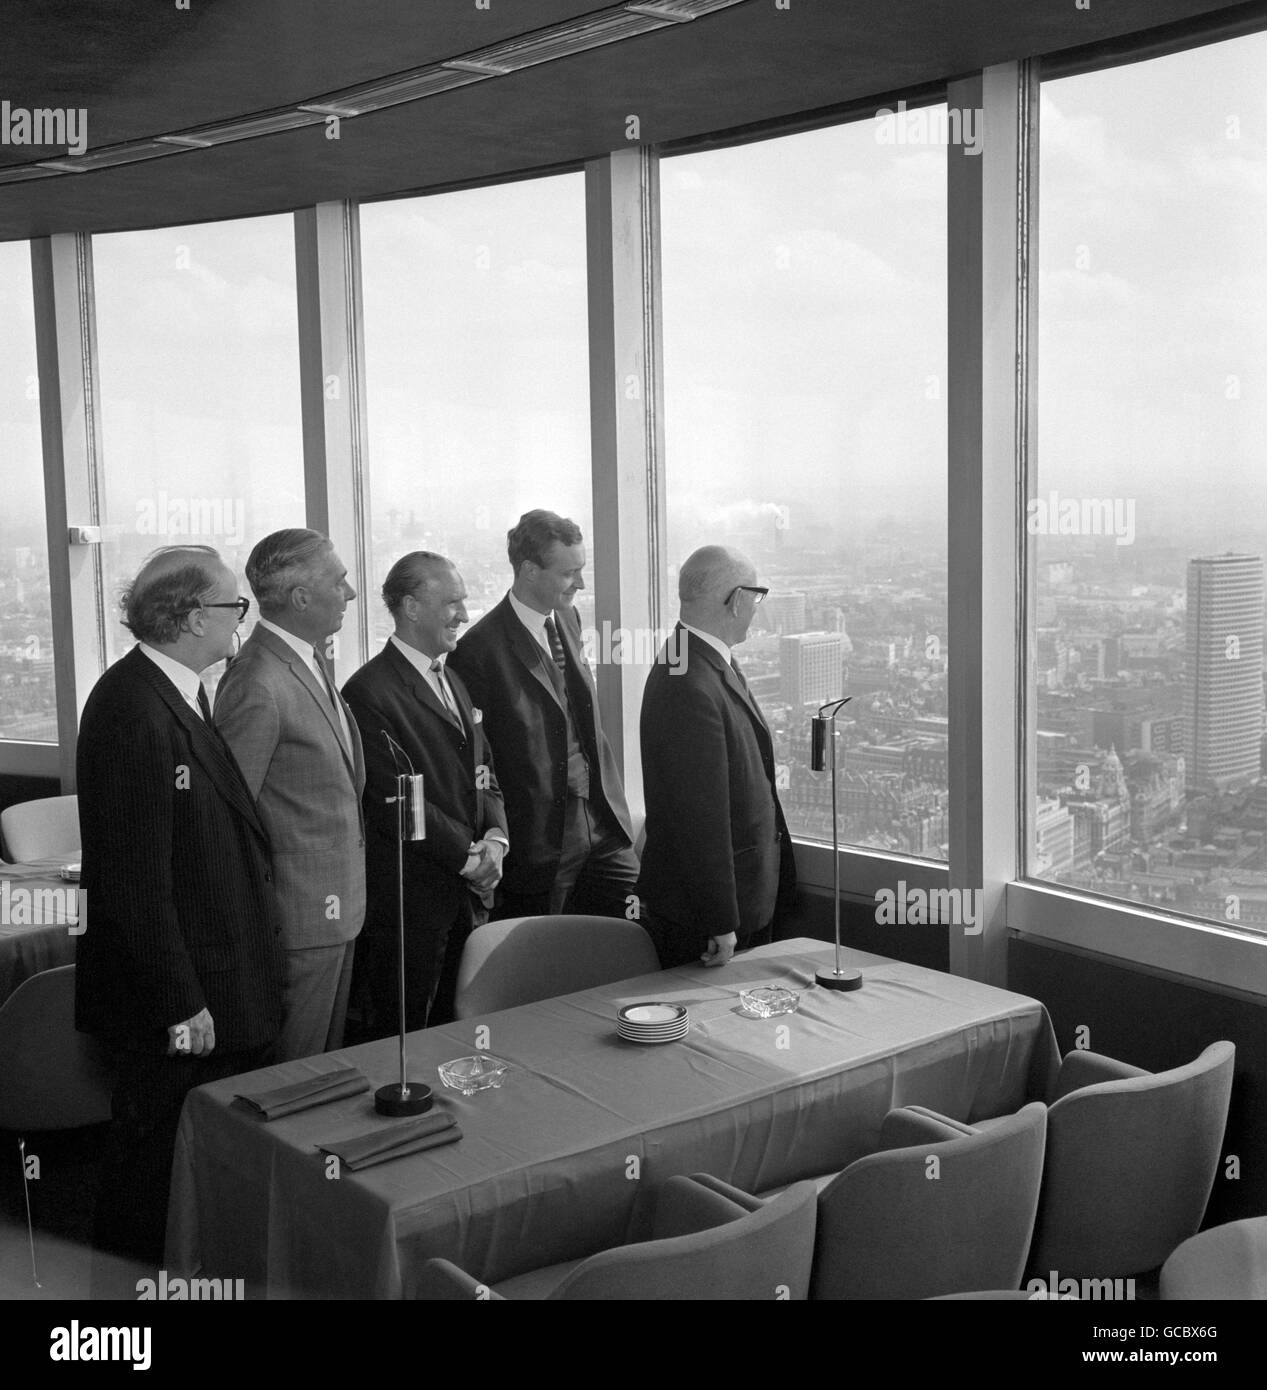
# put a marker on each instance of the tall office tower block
(1223, 702)
(810, 663)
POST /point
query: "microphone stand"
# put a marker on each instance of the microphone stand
(822, 728)
(406, 1097)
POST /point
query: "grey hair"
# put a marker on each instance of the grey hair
(408, 573)
(710, 572)
(164, 592)
(280, 563)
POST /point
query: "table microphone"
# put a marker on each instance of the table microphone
(406, 1097)
(818, 727)
(819, 724)
(823, 728)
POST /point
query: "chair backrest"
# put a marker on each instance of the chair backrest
(933, 1218)
(527, 958)
(51, 1077)
(38, 829)
(1226, 1262)
(764, 1254)
(1130, 1165)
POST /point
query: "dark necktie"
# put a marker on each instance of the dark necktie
(204, 705)
(756, 708)
(556, 643)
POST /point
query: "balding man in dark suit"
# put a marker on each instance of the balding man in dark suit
(180, 969)
(717, 868)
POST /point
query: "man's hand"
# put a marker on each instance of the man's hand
(720, 949)
(485, 872)
(195, 1037)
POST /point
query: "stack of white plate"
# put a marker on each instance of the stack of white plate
(652, 1023)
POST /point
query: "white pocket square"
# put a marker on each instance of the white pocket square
(477, 715)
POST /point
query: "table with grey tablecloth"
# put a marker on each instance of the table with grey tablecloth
(565, 1158)
(39, 934)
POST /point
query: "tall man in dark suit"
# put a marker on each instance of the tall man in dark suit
(298, 747)
(717, 866)
(180, 969)
(407, 694)
(522, 663)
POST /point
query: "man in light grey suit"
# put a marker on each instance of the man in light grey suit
(300, 753)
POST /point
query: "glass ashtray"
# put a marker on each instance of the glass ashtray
(471, 1074)
(769, 1000)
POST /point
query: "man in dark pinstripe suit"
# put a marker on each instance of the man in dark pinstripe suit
(180, 969)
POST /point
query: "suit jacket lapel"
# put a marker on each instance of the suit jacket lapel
(568, 623)
(466, 712)
(527, 649)
(210, 750)
(307, 677)
(421, 689)
(351, 754)
(740, 683)
(736, 687)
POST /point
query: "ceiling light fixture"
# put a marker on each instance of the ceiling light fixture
(595, 30)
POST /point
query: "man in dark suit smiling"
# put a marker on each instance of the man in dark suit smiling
(407, 694)
(522, 663)
(717, 866)
(180, 969)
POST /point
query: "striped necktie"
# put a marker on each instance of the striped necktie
(556, 643)
(437, 670)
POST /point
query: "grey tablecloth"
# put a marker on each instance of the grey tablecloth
(28, 947)
(565, 1158)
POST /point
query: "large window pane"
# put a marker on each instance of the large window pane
(477, 374)
(28, 709)
(805, 363)
(1148, 506)
(199, 359)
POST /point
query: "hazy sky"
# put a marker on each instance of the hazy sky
(804, 330)
(477, 354)
(1153, 287)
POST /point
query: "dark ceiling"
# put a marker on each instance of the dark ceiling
(142, 68)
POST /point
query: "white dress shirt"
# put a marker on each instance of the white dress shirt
(439, 683)
(431, 669)
(186, 681)
(535, 623)
(715, 642)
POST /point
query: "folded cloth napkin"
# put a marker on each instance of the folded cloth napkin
(303, 1095)
(394, 1141)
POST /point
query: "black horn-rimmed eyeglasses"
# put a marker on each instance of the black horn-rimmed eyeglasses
(755, 590)
(243, 605)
